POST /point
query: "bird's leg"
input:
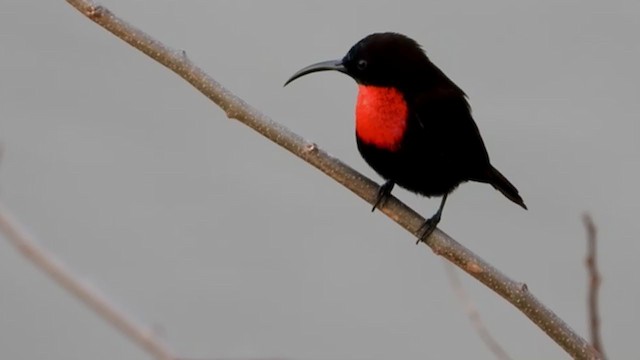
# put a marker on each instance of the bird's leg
(383, 194)
(430, 225)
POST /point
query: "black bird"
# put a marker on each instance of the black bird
(413, 124)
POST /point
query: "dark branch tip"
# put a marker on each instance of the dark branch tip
(96, 12)
(310, 147)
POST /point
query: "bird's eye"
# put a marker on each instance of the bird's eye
(362, 64)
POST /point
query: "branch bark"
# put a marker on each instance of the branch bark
(441, 244)
(594, 284)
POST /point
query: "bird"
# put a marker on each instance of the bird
(413, 124)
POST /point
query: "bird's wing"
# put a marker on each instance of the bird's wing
(445, 117)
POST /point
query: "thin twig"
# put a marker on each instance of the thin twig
(514, 292)
(594, 283)
(48, 263)
(474, 315)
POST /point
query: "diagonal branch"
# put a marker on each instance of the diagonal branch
(474, 316)
(48, 263)
(235, 108)
(594, 283)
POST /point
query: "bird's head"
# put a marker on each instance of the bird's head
(380, 59)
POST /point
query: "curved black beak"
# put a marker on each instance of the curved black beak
(335, 65)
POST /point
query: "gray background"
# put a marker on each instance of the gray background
(231, 247)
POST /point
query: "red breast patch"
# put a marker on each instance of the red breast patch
(381, 116)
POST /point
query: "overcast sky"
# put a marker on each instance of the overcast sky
(230, 247)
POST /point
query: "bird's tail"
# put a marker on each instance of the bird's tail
(500, 183)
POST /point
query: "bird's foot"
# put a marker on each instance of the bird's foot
(428, 227)
(383, 194)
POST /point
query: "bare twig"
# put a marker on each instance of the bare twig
(594, 283)
(515, 292)
(48, 263)
(474, 315)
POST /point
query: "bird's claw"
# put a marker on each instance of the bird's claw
(428, 228)
(383, 194)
